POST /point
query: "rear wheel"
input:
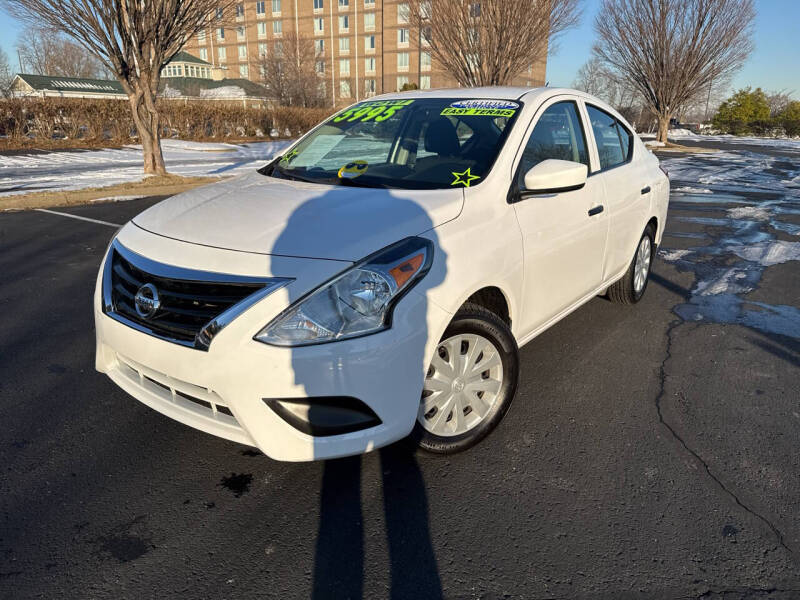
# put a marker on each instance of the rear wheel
(631, 287)
(470, 382)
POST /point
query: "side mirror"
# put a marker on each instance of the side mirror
(551, 176)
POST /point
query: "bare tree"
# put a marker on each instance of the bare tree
(134, 39)
(5, 74)
(673, 50)
(594, 77)
(778, 101)
(288, 71)
(491, 41)
(45, 51)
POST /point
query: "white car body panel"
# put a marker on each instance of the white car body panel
(544, 254)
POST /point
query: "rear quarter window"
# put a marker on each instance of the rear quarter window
(614, 141)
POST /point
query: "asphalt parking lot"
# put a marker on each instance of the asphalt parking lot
(652, 451)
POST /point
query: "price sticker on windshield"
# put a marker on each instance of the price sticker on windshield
(372, 111)
(481, 108)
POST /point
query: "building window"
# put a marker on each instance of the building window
(219, 14)
(401, 81)
(402, 61)
(344, 45)
(242, 52)
(319, 4)
(344, 66)
(221, 34)
(239, 11)
(221, 53)
(276, 7)
(319, 47)
(369, 43)
(402, 37)
(369, 65)
(278, 49)
(262, 29)
(203, 53)
(201, 37)
(425, 60)
(277, 28)
(262, 50)
(240, 32)
(319, 67)
(369, 21)
(475, 9)
(261, 8)
(425, 82)
(344, 4)
(243, 71)
(344, 23)
(369, 87)
(402, 13)
(319, 26)
(369, 3)
(344, 86)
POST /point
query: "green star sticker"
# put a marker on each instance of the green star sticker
(464, 178)
(289, 156)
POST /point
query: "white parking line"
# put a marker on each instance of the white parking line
(62, 214)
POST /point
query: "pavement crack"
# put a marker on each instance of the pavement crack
(662, 385)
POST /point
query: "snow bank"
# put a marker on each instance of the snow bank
(75, 170)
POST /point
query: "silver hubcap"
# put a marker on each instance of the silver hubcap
(642, 266)
(462, 384)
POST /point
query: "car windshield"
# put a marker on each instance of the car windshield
(431, 143)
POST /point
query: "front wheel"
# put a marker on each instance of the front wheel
(631, 287)
(470, 382)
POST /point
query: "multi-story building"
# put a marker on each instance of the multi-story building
(362, 47)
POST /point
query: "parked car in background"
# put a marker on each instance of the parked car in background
(377, 280)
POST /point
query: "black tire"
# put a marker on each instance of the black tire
(473, 318)
(623, 291)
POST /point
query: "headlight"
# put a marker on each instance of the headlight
(356, 302)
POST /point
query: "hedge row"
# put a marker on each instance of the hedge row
(109, 121)
(772, 127)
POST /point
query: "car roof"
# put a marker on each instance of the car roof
(488, 92)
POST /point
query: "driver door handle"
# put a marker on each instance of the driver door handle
(596, 210)
(645, 190)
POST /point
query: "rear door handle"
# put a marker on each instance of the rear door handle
(645, 190)
(595, 210)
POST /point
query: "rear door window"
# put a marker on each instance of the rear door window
(614, 141)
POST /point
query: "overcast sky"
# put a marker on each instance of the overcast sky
(773, 66)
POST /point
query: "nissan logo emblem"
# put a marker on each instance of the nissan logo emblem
(147, 301)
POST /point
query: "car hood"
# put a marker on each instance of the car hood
(261, 214)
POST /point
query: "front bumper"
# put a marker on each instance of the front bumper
(225, 390)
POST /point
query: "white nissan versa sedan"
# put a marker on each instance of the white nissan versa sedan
(377, 279)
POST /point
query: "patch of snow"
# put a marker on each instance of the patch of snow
(654, 144)
(171, 92)
(759, 213)
(117, 198)
(769, 253)
(692, 190)
(673, 255)
(679, 132)
(725, 283)
(226, 91)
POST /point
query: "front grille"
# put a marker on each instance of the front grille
(194, 305)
